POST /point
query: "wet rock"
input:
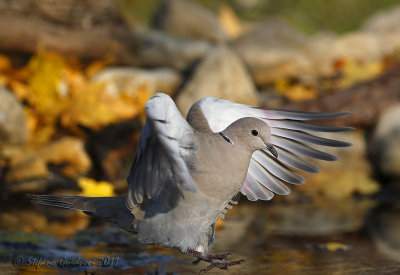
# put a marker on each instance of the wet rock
(130, 80)
(272, 50)
(222, 74)
(386, 142)
(157, 49)
(384, 225)
(187, 19)
(13, 125)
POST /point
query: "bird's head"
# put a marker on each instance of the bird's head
(250, 132)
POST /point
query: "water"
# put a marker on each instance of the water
(273, 238)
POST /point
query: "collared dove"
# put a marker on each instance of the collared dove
(187, 173)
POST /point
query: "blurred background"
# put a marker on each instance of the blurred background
(74, 78)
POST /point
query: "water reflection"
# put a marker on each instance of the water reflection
(274, 238)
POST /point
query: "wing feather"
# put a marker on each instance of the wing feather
(159, 160)
(261, 175)
(276, 168)
(257, 190)
(303, 136)
(295, 161)
(288, 135)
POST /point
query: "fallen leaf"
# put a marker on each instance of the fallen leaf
(295, 92)
(229, 21)
(332, 246)
(355, 71)
(92, 188)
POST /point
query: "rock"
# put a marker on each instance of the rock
(386, 26)
(13, 124)
(66, 156)
(187, 19)
(130, 80)
(273, 50)
(339, 180)
(221, 74)
(384, 226)
(157, 49)
(386, 142)
(384, 21)
(69, 152)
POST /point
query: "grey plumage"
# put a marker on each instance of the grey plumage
(186, 173)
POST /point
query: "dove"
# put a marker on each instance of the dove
(187, 173)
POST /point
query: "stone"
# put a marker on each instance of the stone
(130, 80)
(384, 226)
(221, 74)
(13, 124)
(158, 49)
(385, 25)
(386, 142)
(350, 174)
(273, 50)
(187, 19)
(67, 156)
(384, 21)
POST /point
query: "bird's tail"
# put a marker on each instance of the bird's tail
(109, 209)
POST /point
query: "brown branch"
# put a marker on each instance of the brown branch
(27, 34)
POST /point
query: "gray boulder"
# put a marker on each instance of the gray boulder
(273, 49)
(158, 49)
(221, 74)
(189, 20)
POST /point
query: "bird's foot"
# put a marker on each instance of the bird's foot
(215, 259)
(221, 264)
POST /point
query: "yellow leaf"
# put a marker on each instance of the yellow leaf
(357, 71)
(295, 92)
(229, 21)
(93, 106)
(334, 247)
(92, 188)
(47, 71)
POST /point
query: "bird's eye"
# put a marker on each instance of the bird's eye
(254, 132)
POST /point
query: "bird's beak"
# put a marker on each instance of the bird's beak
(271, 148)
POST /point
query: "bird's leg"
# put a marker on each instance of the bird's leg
(216, 259)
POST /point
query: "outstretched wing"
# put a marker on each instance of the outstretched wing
(161, 152)
(289, 135)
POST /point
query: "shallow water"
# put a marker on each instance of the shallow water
(269, 239)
